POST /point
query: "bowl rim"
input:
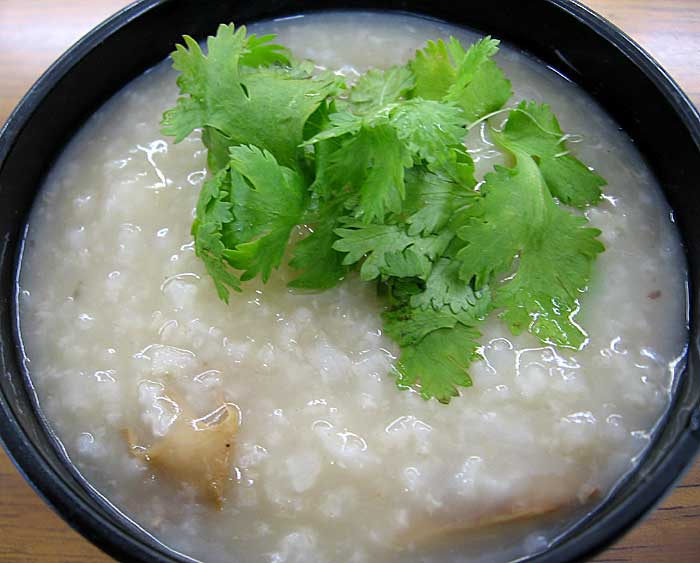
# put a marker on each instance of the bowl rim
(117, 542)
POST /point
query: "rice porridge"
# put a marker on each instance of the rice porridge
(125, 335)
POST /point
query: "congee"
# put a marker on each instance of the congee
(271, 428)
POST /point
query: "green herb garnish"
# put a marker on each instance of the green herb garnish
(379, 171)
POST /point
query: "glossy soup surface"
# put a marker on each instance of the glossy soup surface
(124, 331)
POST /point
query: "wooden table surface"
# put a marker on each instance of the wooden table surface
(34, 32)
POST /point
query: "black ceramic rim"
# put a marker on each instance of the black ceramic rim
(119, 539)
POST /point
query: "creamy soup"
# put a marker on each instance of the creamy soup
(124, 336)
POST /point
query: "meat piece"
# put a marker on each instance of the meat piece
(543, 496)
(194, 451)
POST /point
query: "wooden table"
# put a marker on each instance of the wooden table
(34, 32)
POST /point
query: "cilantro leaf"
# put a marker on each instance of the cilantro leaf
(437, 347)
(378, 88)
(366, 155)
(469, 78)
(433, 70)
(486, 93)
(470, 62)
(328, 178)
(438, 363)
(322, 265)
(268, 201)
(459, 166)
(517, 216)
(266, 108)
(533, 129)
(398, 291)
(445, 289)
(273, 113)
(218, 146)
(340, 124)
(480, 87)
(388, 250)
(432, 200)
(212, 213)
(371, 153)
(373, 162)
(429, 129)
(261, 52)
(571, 181)
(409, 325)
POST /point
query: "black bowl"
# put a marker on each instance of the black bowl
(565, 35)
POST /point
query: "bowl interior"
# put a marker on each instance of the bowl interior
(568, 37)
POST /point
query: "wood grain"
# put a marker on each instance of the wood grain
(34, 32)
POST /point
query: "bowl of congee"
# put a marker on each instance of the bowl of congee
(351, 282)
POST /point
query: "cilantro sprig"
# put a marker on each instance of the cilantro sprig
(378, 172)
